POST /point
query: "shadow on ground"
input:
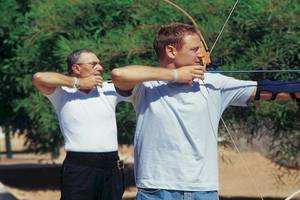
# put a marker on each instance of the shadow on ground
(42, 176)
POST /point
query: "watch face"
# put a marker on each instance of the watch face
(76, 83)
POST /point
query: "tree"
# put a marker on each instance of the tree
(38, 35)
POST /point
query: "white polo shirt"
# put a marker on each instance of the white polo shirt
(87, 120)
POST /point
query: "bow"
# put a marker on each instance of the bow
(206, 60)
(208, 52)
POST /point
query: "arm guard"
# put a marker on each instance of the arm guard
(275, 87)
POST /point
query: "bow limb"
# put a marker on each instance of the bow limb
(292, 195)
(190, 18)
(206, 58)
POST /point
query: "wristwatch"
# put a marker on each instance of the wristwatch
(76, 83)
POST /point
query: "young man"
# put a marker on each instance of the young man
(176, 154)
(85, 106)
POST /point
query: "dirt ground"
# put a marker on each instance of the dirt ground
(246, 175)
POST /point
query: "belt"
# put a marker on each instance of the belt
(101, 160)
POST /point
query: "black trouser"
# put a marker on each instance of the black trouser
(92, 176)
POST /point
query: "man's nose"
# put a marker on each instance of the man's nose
(200, 56)
(98, 67)
(204, 57)
(200, 53)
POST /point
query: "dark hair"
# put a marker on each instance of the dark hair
(171, 34)
(74, 56)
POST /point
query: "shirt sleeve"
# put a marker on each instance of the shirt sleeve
(122, 95)
(136, 93)
(132, 95)
(237, 92)
(54, 97)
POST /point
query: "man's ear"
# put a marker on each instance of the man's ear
(76, 69)
(170, 51)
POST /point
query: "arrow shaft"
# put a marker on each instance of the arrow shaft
(254, 71)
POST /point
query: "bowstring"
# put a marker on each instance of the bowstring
(225, 23)
(244, 163)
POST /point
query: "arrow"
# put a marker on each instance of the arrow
(255, 71)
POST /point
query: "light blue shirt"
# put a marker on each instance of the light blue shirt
(176, 133)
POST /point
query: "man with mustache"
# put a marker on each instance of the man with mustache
(85, 107)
